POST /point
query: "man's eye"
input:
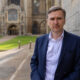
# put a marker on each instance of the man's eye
(59, 18)
(51, 18)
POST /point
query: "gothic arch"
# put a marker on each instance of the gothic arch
(12, 30)
(35, 29)
(43, 26)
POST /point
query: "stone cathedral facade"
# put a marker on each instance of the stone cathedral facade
(22, 17)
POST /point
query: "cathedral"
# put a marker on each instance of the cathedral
(23, 17)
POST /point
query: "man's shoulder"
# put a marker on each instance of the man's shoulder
(72, 35)
(43, 37)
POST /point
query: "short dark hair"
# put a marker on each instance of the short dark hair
(56, 8)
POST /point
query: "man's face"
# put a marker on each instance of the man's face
(56, 21)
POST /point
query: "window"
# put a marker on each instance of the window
(12, 15)
(17, 2)
(36, 4)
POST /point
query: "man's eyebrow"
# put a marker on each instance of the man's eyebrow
(51, 18)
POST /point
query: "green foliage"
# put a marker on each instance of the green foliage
(14, 43)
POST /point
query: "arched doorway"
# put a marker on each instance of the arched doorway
(12, 30)
(35, 29)
(43, 27)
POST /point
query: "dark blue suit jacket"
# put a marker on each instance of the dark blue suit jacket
(69, 62)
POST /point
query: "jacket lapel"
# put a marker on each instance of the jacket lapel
(64, 45)
(43, 51)
(46, 46)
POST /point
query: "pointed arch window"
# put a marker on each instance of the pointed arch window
(36, 4)
(17, 2)
(12, 15)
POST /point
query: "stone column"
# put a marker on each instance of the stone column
(2, 4)
(24, 30)
(22, 4)
(42, 6)
(29, 15)
(48, 5)
(19, 29)
(57, 2)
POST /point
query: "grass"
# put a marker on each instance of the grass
(14, 43)
(0, 36)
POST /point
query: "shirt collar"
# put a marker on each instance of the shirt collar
(61, 37)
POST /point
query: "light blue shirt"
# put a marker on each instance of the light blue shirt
(52, 57)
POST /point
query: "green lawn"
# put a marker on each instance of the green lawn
(0, 36)
(13, 43)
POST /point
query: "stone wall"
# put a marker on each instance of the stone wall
(72, 8)
(2, 4)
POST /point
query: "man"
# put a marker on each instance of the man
(57, 54)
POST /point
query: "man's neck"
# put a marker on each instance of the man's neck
(56, 35)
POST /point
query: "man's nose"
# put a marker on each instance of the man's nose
(56, 21)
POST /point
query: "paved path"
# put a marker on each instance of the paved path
(25, 48)
(26, 68)
(6, 38)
